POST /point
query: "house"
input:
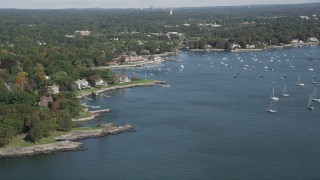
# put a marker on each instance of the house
(84, 33)
(100, 82)
(123, 79)
(248, 46)
(295, 41)
(82, 84)
(313, 39)
(235, 46)
(53, 89)
(133, 59)
(44, 101)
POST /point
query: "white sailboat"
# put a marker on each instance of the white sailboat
(310, 106)
(291, 66)
(314, 96)
(271, 109)
(298, 81)
(310, 67)
(284, 92)
(273, 98)
(314, 79)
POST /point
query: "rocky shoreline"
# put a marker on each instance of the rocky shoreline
(65, 142)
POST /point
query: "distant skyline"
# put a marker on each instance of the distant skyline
(61, 4)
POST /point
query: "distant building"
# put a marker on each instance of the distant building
(123, 79)
(70, 36)
(44, 101)
(304, 17)
(235, 46)
(248, 46)
(313, 39)
(171, 12)
(296, 41)
(82, 84)
(133, 59)
(83, 33)
(53, 89)
(100, 82)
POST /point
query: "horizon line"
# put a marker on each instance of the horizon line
(153, 8)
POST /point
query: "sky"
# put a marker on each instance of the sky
(61, 4)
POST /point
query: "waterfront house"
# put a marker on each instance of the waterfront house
(313, 39)
(296, 41)
(82, 84)
(248, 46)
(44, 101)
(123, 79)
(100, 82)
(133, 59)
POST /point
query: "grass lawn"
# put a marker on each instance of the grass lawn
(89, 90)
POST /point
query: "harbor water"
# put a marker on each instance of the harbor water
(209, 122)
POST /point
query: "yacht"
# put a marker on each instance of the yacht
(273, 98)
(284, 92)
(298, 81)
(310, 106)
(271, 109)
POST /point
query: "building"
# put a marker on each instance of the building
(44, 101)
(248, 46)
(53, 89)
(100, 82)
(123, 79)
(296, 41)
(83, 33)
(133, 59)
(313, 39)
(82, 84)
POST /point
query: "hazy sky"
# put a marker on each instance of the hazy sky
(54, 4)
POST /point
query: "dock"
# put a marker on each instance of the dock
(100, 111)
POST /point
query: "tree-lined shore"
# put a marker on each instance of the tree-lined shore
(41, 50)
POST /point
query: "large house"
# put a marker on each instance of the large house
(313, 39)
(123, 79)
(100, 82)
(82, 84)
(44, 101)
(133, 59)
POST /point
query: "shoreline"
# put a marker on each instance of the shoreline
(65, 142)
(97, 92)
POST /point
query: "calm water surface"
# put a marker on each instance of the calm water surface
(210, 123)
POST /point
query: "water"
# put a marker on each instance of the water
(211, 123)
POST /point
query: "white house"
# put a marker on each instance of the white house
(53, 89)
(123, 79)
(313, 39)
(82, 84)
(295, 41)
(235, 46)
(100, 82)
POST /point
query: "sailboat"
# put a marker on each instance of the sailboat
(314, 79)
(273, 98)
(314, 95)
(310, 67)
(291, 66)
(310, 106)
(271, 109)
(298, 82)
(284, 92)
